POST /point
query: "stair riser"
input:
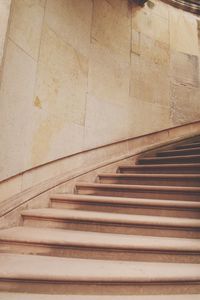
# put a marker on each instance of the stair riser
(156, 181)
(191, 151)
(171, 160)
(101, 288)
(135, 210)
(164, 170)
(146, 230)
(96, 253)
(145, 194)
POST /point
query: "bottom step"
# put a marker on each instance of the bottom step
(30, 274)
(18, 296)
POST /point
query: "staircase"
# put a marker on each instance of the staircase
(133, 232)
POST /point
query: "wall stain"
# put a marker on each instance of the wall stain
(37, 102)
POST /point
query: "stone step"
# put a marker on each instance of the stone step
(95, 245)
(137, 206)
(112, 222)
(189, 151)
(161, 169)
(140, 191)
(25, 296)
(188, 145)
(170, 159)
(151, 179)
(55, 275)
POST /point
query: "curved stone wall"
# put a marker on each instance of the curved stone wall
(81, 74)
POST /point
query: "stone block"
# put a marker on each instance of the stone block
(149, 118)
(185, 105)
(61, 89)
(57, 140)
(183, 32)
(108, 76)
(71, 21)
(149, 81)
(105, 122)
(26, 25)
(155, 51)
(152, 25)
(16, 94)
(159, 8)
(185, 68)
(61, 80)
(111, 29)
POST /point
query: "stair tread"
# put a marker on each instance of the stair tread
(60, 237)
(31, 267)
(189, 144)
(150, 175)
(137, 186)
(94, 216)
(180, 150)
(24, 296)
(170, 157)
(185, 165)
(126, 201)
(192, 141)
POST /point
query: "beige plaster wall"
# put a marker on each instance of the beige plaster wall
(81, 74)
